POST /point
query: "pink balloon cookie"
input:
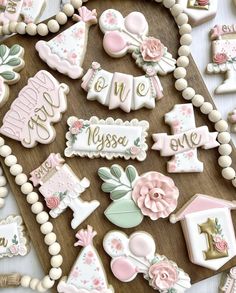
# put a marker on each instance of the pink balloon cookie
(232, 120)
(208, 230)
(65, 53)
(129, 34)
(137, 254)
(186, 138)
(38, 105)
(88, 274)
(152, 194)
(61, 189)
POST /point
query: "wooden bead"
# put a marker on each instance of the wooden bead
(21, 28)
(225, 161)
(53, 26)
(21, 179)
(186, 39)
(176, 10)
(224, 137)
(6, 29)
(3, 181)
(26, 188)
(61, 18)
(184, 50)
(54, 249)
(5, 151)
(31, 29)
(182, 61)
(188, 93)
(37, 208)
(47, 282)
(42, 218)
(168, 3)
(214, 116)
(55, 273)
(2, 203)
(206, 108)
(12, 26)
(234, 182)
(185, 29)
(228, 173)
(78, 3)
(50, 238)
(225, 149)
(25, 281)
(181, 19)
(56, 261)
(32, 198)
(40, 287)
(181, 84)
(16, 169)
(180, 72)
(42, 29)
(34, 283)
(3, 191)
(198, 100)
(10, 160)
(46, 228)
(221, 126)
(68, 9)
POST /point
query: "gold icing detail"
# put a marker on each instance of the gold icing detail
(191, 140)
(120, 91)
(140, 90)
(3, 242)
(100, 84)
(194, 4)
(11, 6)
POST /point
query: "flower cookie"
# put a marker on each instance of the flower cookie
(129, 34)
(121, 90)
(228, 282)
(11, 63)
(208, 229)
(137, 254)
(232, 120)
(88, 274)
(108, 138)
(38, 105)
(13, 240)
(61, 189)
(199, 11)
(66, 51)
(186, 138)
(152, 194)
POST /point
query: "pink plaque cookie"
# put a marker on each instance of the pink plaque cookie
(137, 254)
(61, 189)
(38, 105)
(208, 229)
(66, 51)
(186, 138)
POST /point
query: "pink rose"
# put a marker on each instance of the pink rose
(134, 150)
(52, 202)
(156, 195)
(232, 117)
(14, 249)
(76, 127)
(220, 58)
(220, 244)
(163, 275)
(203, 2)
(152, 50)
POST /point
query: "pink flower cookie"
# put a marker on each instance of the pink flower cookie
(88, 274)
(151, 194)
(138, 255)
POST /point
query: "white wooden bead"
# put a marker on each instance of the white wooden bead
(47, 282)
(2, 203)
(26, 188)
(177, 9)
(55, 273)
(16, 169)
(54, 249)
(225, 161)
(214, 116)
(20, 28)
(78, 3)
(3, 191)
(3, 181)
(184, 50)
(42, 29)
(158, 1)
(25, 281)
(228, 173)
(180, 72)
(46, 228)
(56, 261)
(186, 39)
(221, 126)
(68, 9)
(182, 61)
(181, 84)
(31, 29)
(5, 151)
(1, 33)
(2, 141)
(53, 26)
(40, 287)
(225, 149)
(61, 18)
(198, 100)
(32, 198)
(6, 29)
(10, 160)
(234, 182)
(50, 238)
(12, 26)
(188, 93)
(206, 108)
(42, 218)
(185, 29)
(224, 137)
(168, 3)
(181, 19)
(21, 179)
(37, 208)
(34, 283)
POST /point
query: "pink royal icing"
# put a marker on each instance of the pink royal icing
(123, 269)
(152, 50)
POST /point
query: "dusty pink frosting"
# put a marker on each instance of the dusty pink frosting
(156, 195)
(220, 58)
(203, 2)
(152, 50)
(220, 244)
(163, 275)
(52, 202)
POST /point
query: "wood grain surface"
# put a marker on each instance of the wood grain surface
(169, 238)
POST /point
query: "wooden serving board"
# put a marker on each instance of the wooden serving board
(169, 238)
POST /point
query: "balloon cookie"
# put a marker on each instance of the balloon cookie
(61, 189)
(134, 196)
(11, 63)
(88, 274)
(121, 90)
(129, 34)
(186, 138)
(208, 229)
(38, 105)
(66, 51)
(137, 254)
(232, 120)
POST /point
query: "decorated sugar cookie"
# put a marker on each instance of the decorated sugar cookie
(65, 53)
(199, 11)
(38, 105)
(232, 120)
(27, 11)
(134, 196)
(228, 282)
(88, 274)
(184, 141)
(130, 34)
(13, 240)
(121, 90)
(61, 189)
(11, 63)
(107, 138)
(224, 56)
(208, 229)
(137, 254)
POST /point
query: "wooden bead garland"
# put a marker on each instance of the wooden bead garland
(3, 188)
